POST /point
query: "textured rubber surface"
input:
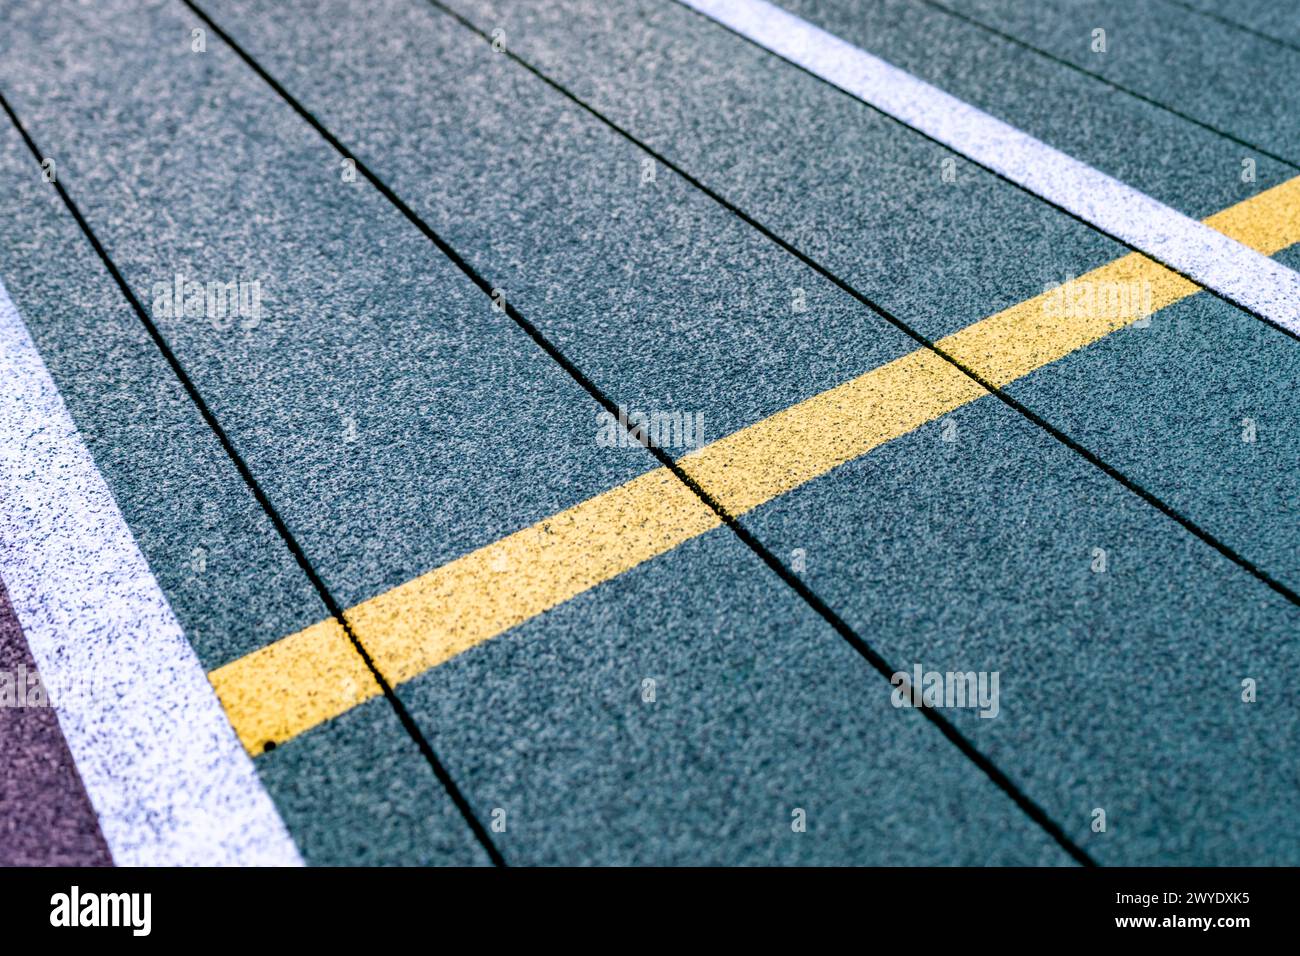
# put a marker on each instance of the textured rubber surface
(1145, 143)
(231, 582)
(456, 616)
(1232, 271)
(1205, 68)
(610, 73)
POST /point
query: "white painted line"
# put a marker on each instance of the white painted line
(1209, 258)
(167, 777)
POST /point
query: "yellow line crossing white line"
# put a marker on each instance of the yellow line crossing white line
(306, 678)
(1217, 262)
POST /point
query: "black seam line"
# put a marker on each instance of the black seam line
(1286, 44)
(1011, 182)
(922, 340)
(299, 555)
(966, 18)
(1026, 805)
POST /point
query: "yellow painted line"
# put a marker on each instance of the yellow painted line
(302, 680)
(426, 621)
(1025, 337)
(290, 686)
(779, 453)
(1268, 222)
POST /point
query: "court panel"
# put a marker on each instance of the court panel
(1177, 405)
(1122, 643)
(1194, 170)
(974, 506)
(1178, 435)
(394, 417)
(322, 797)
(1195, 408)
(176, 489)
(1113, 516)
(1266, 16)
(684, 713)
(667, 301)
(1226, 77)
(356, 791)
(778, 142)
(226, 573)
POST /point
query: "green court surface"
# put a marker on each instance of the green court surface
(578, 433)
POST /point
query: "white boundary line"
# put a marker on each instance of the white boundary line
(1208, 257)
(167, 778)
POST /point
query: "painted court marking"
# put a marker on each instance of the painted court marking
(306, 678)
(165, 774)
(1217, 262)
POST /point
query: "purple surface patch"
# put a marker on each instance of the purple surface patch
(45, 816)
